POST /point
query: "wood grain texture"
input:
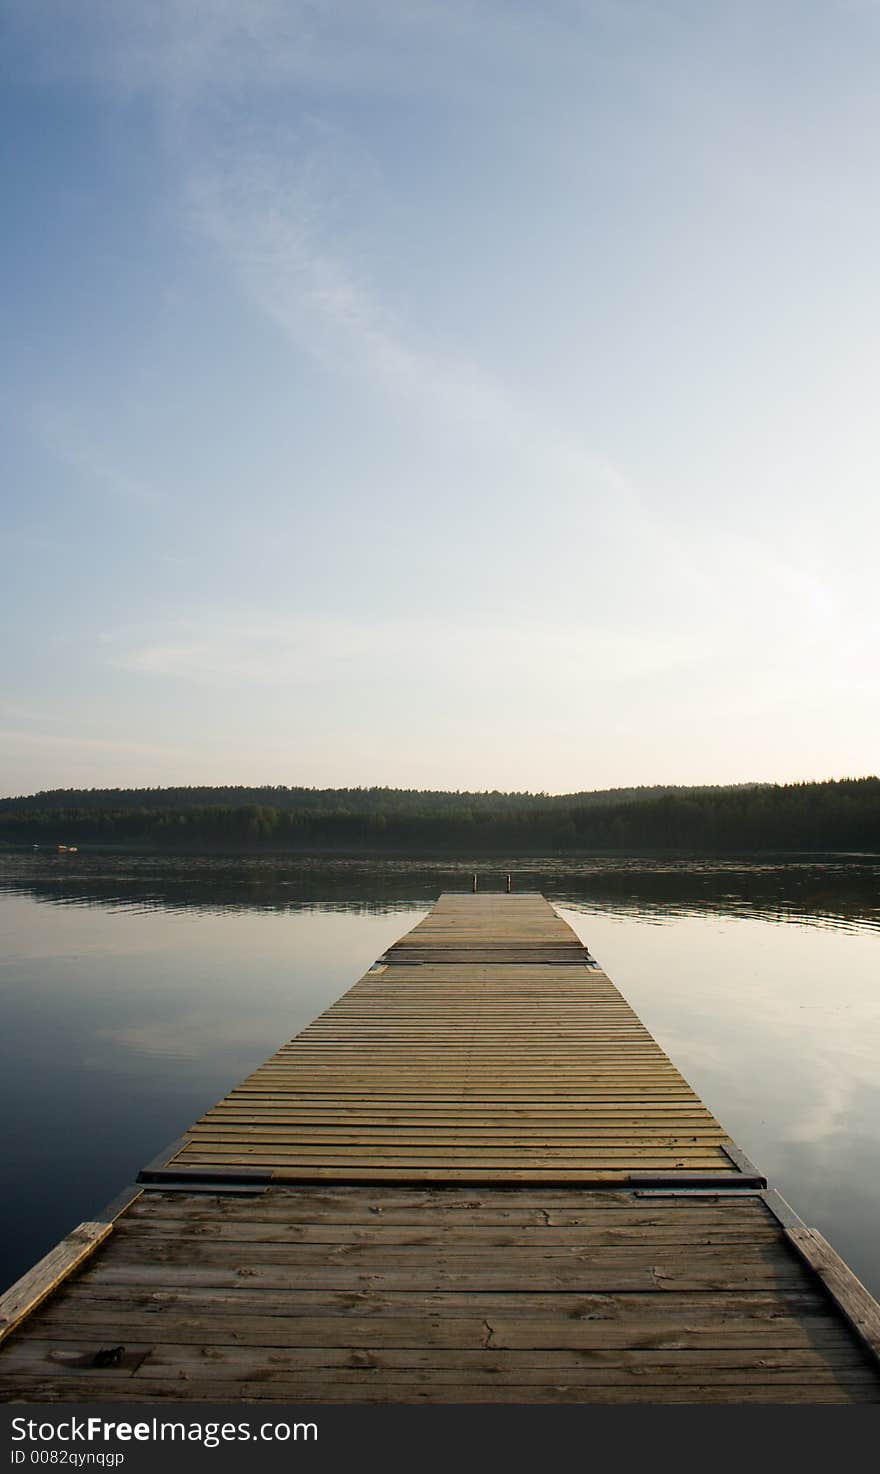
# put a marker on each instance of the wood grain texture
(33, 1288)
(452, 1153)
(847, 1291)
(434, 1295)
(486, 1047)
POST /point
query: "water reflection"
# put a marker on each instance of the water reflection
(120, 1025)
(841, 891)
(777, 1028)
(136, 990)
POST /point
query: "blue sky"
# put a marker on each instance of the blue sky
(439, 394)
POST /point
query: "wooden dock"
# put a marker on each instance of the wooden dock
(475, 1178)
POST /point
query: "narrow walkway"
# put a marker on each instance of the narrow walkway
(475, 1178)
(486, 1046)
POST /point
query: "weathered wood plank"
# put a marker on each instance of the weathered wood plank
(494, 1099)
(473, 1331)
(848, 1292)
(802, 1363)
(485, 1056)
(475, 1237)
(33, 1288)
(28, 1388)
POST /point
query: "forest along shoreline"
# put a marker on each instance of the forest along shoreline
(835, 816)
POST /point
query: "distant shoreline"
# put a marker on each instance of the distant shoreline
(841, 815)
(454, 857)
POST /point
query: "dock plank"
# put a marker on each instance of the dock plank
(492, 1045)
(447, 1209)
(376, 1319)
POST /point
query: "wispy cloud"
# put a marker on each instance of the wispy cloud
(84, 449)
(271, 208)
(182, 47)
(216, 650)
(283, 205)
(266, 210)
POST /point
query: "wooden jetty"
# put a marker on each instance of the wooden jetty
(475, 1178)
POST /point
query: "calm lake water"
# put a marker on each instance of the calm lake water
(136, 990)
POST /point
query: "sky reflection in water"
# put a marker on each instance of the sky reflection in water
(136, 990)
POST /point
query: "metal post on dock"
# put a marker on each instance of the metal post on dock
(475, 885)
(508, 885)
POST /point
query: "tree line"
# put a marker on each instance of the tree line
(354, 800)
(835, 815)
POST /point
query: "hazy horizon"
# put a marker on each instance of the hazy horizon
(439, 396)
(396, 787)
